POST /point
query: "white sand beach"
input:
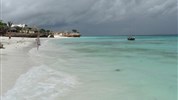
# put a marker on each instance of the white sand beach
(25, 76)
(14, 60)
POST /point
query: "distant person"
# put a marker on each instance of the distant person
(38, 42)
(9, 35)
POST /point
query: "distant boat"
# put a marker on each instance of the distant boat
(131, 38)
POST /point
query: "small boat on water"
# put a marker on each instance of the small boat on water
(131, 38)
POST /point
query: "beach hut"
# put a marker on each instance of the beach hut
(12, 29)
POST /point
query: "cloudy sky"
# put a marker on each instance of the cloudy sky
(95, 17)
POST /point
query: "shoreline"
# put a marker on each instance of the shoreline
(25, 76)
(57, 72)
(15, 60)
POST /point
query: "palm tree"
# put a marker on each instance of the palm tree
(9, 24)
(74, 30)
(42, 30)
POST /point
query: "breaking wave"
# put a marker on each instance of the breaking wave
(41, 83)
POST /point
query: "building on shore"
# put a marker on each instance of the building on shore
(29, 30)
(19, 25)
(66, 34)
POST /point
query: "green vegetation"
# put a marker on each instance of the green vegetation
(3, 28)
(22, 31)
(42, 30)
(2, 25)
(18, 28)
(75, 31)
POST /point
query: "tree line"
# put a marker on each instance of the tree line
(7, 27)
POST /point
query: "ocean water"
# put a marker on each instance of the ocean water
(101, 68)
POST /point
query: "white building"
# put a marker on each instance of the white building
(19, 25)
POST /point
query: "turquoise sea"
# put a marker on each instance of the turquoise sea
(102, 68)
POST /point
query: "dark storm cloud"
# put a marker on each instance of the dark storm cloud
(96, 16)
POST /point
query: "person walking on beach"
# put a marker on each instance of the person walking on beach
(9, 35)
(38, 41)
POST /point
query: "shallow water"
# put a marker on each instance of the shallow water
(102, 68)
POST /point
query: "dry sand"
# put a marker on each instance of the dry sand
(14, 60)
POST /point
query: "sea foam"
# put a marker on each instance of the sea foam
(41, 83)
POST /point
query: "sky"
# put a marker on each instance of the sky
(95, 17)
